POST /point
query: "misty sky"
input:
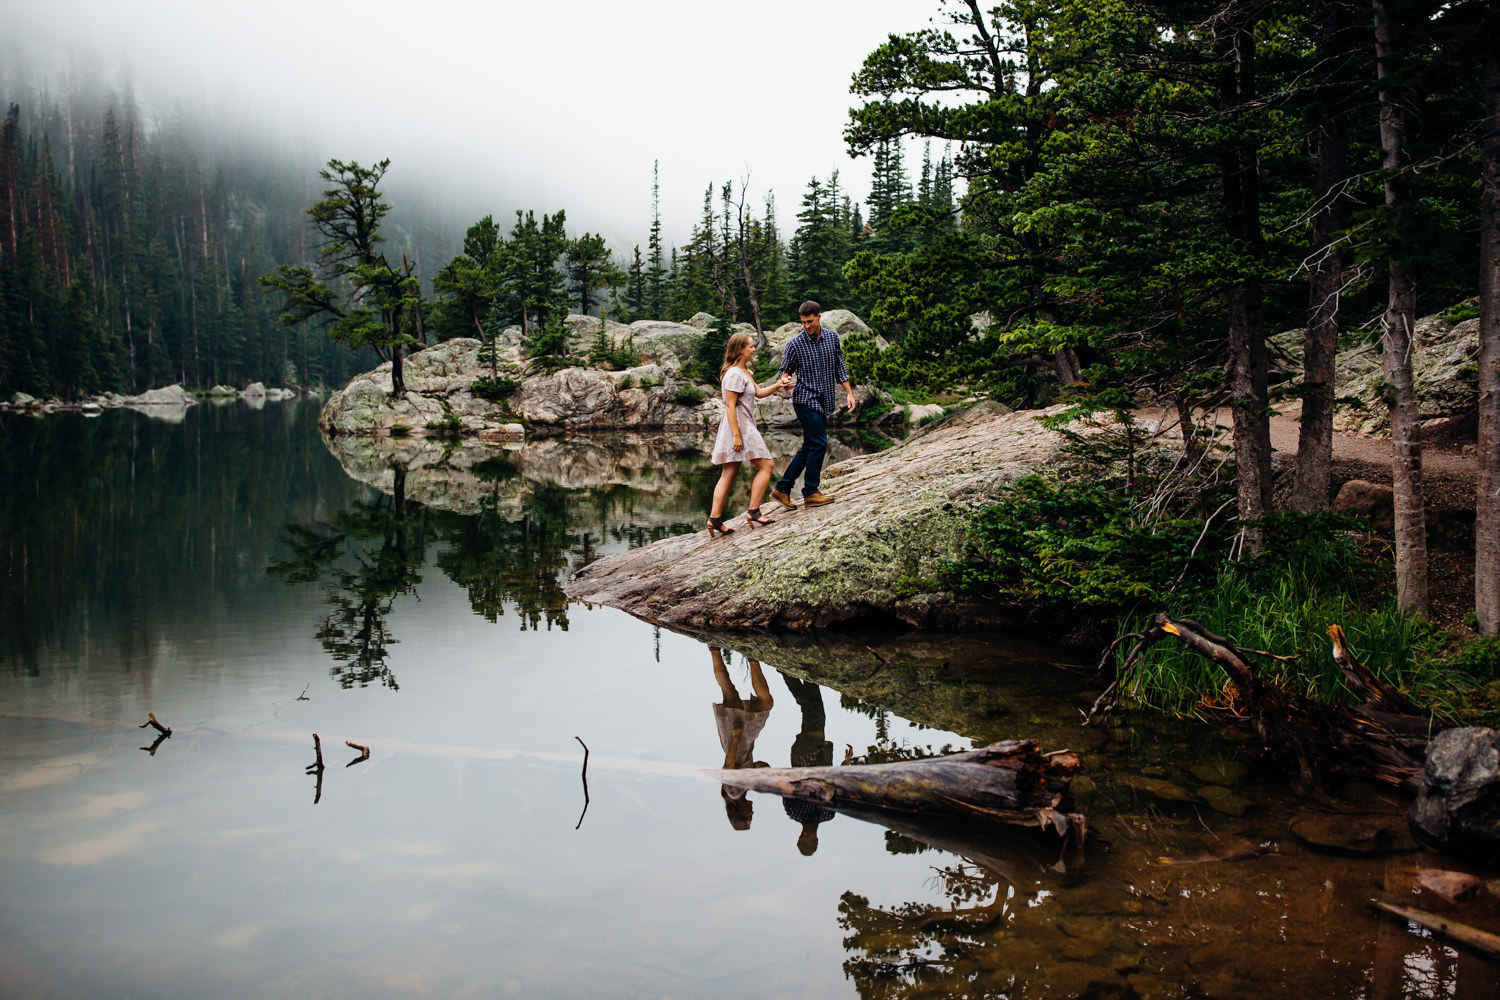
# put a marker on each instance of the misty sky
(509, 105)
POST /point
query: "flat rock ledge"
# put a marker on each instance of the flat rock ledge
(862, 559)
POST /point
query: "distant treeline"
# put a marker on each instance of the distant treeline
(130, 252)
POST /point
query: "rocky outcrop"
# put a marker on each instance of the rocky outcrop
(872, 555)
(1458, 808)
(440, 399)
(1444, 368)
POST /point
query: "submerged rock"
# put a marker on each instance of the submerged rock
(873, 555)
(1458, 808)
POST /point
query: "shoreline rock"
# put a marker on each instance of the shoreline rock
(440, 400)
(870, 557)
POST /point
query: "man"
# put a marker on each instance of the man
(815, 358)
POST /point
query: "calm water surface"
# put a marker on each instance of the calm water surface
(214, 569)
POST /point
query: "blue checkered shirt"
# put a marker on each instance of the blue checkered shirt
(819, 367)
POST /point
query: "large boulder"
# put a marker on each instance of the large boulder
(843, 322)
(873, 555)
(1444, 370)
(22, 399)
(171, 395)
(670, 345)
(1375, 502)
(255, 390)
(1458, 808)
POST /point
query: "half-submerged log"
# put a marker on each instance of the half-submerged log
(1381, 739)
(1012, 784)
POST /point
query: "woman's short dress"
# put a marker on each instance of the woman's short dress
(735, 380)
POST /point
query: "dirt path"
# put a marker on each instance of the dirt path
(1450, 470)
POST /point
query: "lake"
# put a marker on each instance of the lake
(232, 575)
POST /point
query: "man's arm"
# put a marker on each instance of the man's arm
(841, 375)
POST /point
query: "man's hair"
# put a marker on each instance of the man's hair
(809, 308)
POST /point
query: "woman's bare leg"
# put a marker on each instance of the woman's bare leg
(761, 481)
(721, 488)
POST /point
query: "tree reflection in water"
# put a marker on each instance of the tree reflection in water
(374, 552)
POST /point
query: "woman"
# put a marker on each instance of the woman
(739, 440)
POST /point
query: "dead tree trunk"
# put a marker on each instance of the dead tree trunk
(1012, 784)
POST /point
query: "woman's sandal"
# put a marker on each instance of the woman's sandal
(716, 524)
(754, 516)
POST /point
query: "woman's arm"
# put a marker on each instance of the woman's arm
(762, 391)
(731, 410)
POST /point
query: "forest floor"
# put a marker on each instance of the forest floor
(1449, 474)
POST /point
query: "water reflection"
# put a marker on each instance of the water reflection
(810, 748)
(739, 722)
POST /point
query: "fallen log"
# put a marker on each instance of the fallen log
(1481, 941)
(1381, 739)
(1011, 784)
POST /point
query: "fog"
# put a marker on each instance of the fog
(494, 107)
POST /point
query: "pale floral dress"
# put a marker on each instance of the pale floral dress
(737, 380)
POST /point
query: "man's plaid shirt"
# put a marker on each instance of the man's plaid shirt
(819, 367)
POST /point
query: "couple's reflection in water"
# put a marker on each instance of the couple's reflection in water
(740, 721)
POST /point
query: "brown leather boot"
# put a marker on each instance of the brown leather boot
(783, 499)
(817, 500)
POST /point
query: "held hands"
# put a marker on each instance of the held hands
(786, 381)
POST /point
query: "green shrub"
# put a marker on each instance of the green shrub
(493, 389)
(604, 352)
(450, 424)
(1065, 546)
(1460, 311)
(400, 430)
(688, 395)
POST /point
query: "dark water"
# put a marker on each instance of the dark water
(213, 570)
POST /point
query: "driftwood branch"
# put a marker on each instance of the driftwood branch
(303, 696)
(364, 753)
(1380, 739)
(317, 765)
(1481, 941)
(151, 721)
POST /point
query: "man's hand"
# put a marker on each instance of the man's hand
(850, 401)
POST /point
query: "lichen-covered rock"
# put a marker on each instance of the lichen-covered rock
(670, 345)
(843, 322)
(897, 515)
(222, 390)
(1444, 369)
(1458, 808)
(255, 390)
(22, 399)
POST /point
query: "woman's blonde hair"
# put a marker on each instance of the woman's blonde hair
(732, 351)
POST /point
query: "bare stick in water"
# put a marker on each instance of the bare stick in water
(317, 765)
(585, 781)
(151, 721)
(303, 696)
(364, 753)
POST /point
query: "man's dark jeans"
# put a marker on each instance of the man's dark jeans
(810, 456)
